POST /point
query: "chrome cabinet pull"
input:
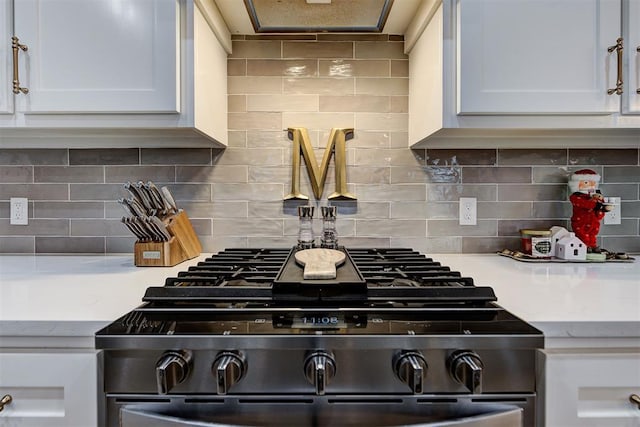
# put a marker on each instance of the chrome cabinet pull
(619, 48)
(15, 45)
(6, 399)
(634, 398)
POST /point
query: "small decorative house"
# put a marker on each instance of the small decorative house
(571, 248)
(557, 233)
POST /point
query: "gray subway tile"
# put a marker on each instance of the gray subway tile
(390, 193)
(248, 227)
(104, 156)
(554, 156)
(252, 191)
(387, 227)
(446, 227)
(237, 103)
(70, 209)
(355, 68)
(408, 210)
(453, 192)
(76, 245)
(613, 174)
(552, 209)
(382, 86)
(304, 49)
(175, 156)
(355, 103)
(36, 227)
(255, 120)
(243, 85)
(499, 175)
(609, 156)
(629, 244)
(96, 192)
(35, 191)
(282, 67)
(352, 37)
(120, 245)
(217, 173)
(380, 49)
(98, 227)
(630, 209)
(627, 227)
(550, 175)
(84, 174)
(504, 210)
(34, 157)
(320, 86)
(236, 67)
(17, 244)
(250, 157)
(365, 242)
(256, 49)
(399, 68)
(16, 174)
(462, 157)
(157, 174)
(535, 192)
(190, 192)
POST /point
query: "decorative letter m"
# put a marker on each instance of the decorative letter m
(318, 174)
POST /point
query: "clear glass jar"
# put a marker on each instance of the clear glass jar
(329, 237)
(305, 231)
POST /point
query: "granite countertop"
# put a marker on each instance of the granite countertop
(62, 296)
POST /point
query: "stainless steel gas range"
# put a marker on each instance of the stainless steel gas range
(394, 339)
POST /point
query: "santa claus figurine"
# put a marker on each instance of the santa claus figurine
(588, 207)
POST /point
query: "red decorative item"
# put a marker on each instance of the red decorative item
(588, 207)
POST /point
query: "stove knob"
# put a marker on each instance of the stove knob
(466, 368)
(172, 369)
(411, 368)
(228, 368)
(319, 368)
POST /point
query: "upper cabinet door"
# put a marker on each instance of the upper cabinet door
(6, 55)
(631, 32)
(99, 56)
(537, 56)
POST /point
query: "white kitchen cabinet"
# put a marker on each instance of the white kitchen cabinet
(631, 35)
(6, 67)
(537, 56)
(49, 388)
(508, 73)
(590, 388)
(100, 68)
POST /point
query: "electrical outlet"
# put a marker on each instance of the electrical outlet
(613, 217)
(19, 211)
(468, 211)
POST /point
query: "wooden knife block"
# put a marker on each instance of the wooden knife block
(183, 245)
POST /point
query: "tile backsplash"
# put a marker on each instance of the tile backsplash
(235, 196)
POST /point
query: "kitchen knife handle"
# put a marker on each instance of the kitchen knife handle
(619, 84)
(15, 45)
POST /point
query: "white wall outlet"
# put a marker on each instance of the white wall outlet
(613, 217)
(468, 211)
(19, 211)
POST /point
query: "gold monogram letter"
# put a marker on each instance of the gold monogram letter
(302, 147)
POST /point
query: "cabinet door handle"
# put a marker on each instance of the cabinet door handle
(6, 399)
(638, 90)
(15, 45)
(619, 48)
(634, 398)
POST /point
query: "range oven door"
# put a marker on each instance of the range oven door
(344, 414)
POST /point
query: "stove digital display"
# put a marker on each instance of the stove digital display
(319, 320)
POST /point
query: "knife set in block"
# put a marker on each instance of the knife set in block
(182, 245)
(164, 232)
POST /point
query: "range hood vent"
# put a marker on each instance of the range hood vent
(331, 16)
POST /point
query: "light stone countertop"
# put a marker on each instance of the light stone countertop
(74, 296)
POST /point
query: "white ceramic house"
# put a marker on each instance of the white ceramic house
(557, 233)
(571, 248)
